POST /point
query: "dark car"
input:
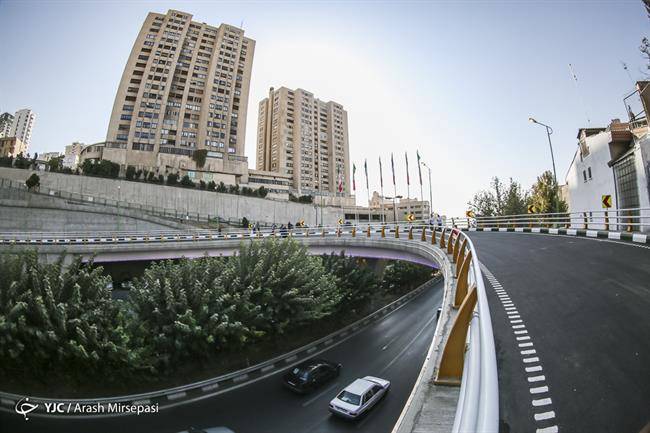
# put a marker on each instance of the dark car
(311, 374)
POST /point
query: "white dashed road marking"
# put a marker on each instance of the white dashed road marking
(543, 419)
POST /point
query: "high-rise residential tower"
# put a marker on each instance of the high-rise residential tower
(184, 88)
(22, 125)
(6, 120)
(300, 135)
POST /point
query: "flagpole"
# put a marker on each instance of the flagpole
(408, 183)
(381, 186)
(365, 167)
(392, 165)
(354, 188)
(420, 177)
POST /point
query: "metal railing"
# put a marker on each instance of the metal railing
(478, 406)
(628, 220)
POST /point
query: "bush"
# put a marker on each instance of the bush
(222, 187)
(262, 192)
(199, 157)
(212, 186)
(161, 179)
(130, 172)
(6, 161)
(400, 277)
(244, 222)
(247, 191)
(33, 181)
(186, 182)
(103, 168)
(172, 179)
(201, 184)
(233, 189)
(55, 165)
(21, 161)
(151, 177)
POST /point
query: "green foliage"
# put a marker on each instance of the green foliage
(186, 182)
(6, 161)
(245, 222)
(233, 189)
(199, 156)
(172, 179)
(103, 168)
(247, 191)
(400, 277)
(33, 181)
(22, 162)
(212, 186)
(500, 199)
(61, 322)
(545, 195)
(202, 184)
(262, 192)
(55, 165)
(130, 172)
(356, 281)
(308, 199)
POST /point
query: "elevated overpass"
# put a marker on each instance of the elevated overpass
(569, 314)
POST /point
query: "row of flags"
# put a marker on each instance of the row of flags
(381, 172)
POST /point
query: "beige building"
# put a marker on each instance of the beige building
(71, 155)
(400, 208)
(22, 126)
(12, 146)
(184, 88)
(306, 138)
(6, 120)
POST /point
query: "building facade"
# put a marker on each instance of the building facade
(12, 146)
(71, 155)
(22, 126)
(184, 88)
(306, 138)
(47, 156)
(6, 120)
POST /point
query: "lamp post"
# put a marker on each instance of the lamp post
(430, 193)
(549, 131)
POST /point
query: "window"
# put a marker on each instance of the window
(125, 117)
(584, 175)
(589, 172)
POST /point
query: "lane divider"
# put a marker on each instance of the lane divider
(542, 405)
(640, 238)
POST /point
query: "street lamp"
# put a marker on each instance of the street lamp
(549, 131)
(430, 193)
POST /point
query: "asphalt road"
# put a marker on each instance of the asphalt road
(393, 348)
(586, 306)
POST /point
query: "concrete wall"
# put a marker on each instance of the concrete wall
(226, 206)
(21, 211)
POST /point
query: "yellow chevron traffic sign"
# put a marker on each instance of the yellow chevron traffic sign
(606, 200)
(531, 208)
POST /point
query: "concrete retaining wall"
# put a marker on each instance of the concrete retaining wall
(226, 206)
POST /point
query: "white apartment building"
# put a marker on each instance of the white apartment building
(22, 126)
(6, 120)
(71, 155)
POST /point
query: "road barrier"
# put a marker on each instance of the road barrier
(475, 371)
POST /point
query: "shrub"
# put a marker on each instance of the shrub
(199, 157)
(212, 186)
(172, 179)
(186, 182)
(244, 222)
(130, 172)
(33, 181)
(222, 187)
(262, 192)
(201, 184)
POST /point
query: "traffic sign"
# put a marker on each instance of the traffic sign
(340, 221)
(606, 200)
(410, 217)
(531, 208)
(470, 214)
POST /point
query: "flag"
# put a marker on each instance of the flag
(365, 167)
(408, 178)
(419, 166)
(338, 170)
(392, 167)
(381, 174)
(354, 182)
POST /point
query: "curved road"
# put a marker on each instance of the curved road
(585, 304)
(393, 348)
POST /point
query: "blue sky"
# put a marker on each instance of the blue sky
(456, 80)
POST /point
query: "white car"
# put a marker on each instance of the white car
(358, 397)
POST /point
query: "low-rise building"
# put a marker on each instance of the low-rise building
(6, 120)
(278, 184)
(12, 146)
(72, 152)
(45, 157)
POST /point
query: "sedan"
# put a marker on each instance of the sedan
(358, 397)
(309, 375)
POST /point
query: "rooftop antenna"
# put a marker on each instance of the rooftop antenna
(627, 70)
(242, 25)
(582, 102)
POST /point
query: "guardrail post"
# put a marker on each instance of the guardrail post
(453, 356)
(307, 233)
(410, 233)
(450, 242)
(461, 275)
(458, 252)
(323, 232)
(397, 231)
(584, 215)
(454, 251)
(433, 236)
(442, 238)
(354, 232)
(424, 234)
(606, 221)
(338, 232)
(368, 232)
(629, 223)
(383, 231)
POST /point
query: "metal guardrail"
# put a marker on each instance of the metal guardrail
(629, 220)
(478, 406)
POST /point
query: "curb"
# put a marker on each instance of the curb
(640, 238)
(171, 397)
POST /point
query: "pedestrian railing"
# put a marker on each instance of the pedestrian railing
(468, 359)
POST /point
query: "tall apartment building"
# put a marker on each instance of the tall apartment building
(302, 136)
(71, 155)
(185, 87)
(6, 120)
(21, 128)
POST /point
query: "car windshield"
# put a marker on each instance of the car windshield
(300, 374)
(348, 397)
